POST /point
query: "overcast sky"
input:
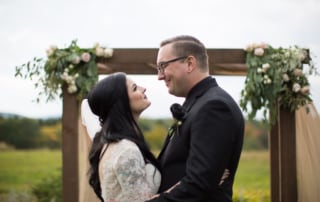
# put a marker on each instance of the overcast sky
(28, 28)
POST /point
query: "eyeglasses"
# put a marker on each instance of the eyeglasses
(162, 65)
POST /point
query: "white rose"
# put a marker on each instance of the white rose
(85, 57)
(259, 70)
(285, 77)
(99, 52)
(249, 48)
(72, 88)
(296, 87)
(76, 59)
(265, 66)
(258, 51)
(108, 52)
(297, 72)
(269, 81)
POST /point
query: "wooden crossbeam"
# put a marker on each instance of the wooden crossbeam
(143, 61)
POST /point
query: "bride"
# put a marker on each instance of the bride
(122, 167)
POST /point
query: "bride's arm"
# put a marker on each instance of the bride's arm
(132, 177)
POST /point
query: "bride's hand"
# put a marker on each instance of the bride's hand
(168, 190)
(225, 175)
(154, 196)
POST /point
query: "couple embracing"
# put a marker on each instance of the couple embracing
(201, 153)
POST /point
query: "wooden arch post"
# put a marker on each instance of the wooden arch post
(283, 165)
(229, 62)
(70, 169)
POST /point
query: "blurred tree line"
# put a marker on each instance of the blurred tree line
(26, 133)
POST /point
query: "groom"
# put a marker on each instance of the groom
(208, 139)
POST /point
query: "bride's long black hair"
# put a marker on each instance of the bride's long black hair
(109, 100)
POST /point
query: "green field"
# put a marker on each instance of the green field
(20, 170)
(252, 182)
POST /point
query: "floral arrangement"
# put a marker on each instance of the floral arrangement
(179, 114)
(73, 67)
(275, 75)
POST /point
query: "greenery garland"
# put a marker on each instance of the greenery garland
(275, 75)
(73, 67)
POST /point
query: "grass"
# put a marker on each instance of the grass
(252, 182)
(20, 170)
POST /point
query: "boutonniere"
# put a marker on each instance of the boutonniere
(179, 115)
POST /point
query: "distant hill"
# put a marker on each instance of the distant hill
(10, 115)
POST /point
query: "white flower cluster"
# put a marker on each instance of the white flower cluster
(292, 58)
(257, 48)
(296, 87)
(275, 75)
(70, 79)
(72, 67)
(74, 58)
(103, 52)
(263, 70)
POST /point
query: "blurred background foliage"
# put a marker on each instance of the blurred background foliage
(31, 158)
(18, 132)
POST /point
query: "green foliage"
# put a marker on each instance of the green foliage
(156, 137)
(49, 189)
(19, 132)
(256, 135)
(155, 131)
(51, 136)
(73, 67)
(50, 121)
(25, 133)
(275, 75)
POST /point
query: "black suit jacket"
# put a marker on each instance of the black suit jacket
(209, 141)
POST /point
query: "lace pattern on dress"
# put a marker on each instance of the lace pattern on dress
(125, 176)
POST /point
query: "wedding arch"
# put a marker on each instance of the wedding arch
(228, 62)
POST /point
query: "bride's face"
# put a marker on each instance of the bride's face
(138, 99)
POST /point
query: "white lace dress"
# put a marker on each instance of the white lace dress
(124, 176)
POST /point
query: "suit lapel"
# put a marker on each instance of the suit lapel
(194, 94)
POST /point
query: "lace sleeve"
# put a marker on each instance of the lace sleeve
(131, 173)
